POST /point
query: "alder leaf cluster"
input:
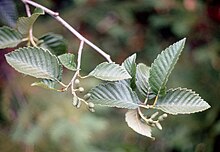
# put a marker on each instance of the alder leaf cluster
(130, 85)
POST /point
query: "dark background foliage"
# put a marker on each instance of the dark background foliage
(33, 119)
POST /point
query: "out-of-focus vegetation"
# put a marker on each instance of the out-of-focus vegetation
(34, 119)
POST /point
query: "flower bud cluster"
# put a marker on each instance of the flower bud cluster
(78, 101)
(156, 123)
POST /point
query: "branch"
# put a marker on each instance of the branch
(69, 27)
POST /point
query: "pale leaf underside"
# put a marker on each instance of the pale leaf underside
(163, 65)
(181, 101)
(134, 122)
(36, 62)
(114, 95)
(110, 72)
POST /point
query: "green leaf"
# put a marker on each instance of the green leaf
(38, 11)
(36, 62)
(24, 24)
(68, 61)
(54, 42)
(142, 77)
(163, 65)
(110, 72)
(181, 101)
(130, 65)
(133, 120)
(9, 37)
(45, 83)
(114, 95)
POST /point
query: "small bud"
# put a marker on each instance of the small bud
(91, 109)
(77, 81)
(81, 89)
(78, 104)
(91, 105)
(75, 100)
(161, 118)
(164, 115)
(158, 125)
(87, 96)
(154, 115)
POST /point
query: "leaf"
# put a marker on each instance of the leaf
(9, 37)
(68, 61)
(8, 12)
(114, 95)
(45, 83)
(54, 42)
(142, 76)
(24, 24)
(163, 65)
(181, 101)
(130, 65)
(134, 122)
(36, 62)
(110, 72)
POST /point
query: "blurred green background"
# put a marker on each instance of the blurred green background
(37, 120)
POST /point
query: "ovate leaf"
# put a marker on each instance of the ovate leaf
(130, 65)
(114, 95)
(24, 24)
(181, 101)
(163, 65)
(142, 76)
(110, 72)
(133, 120)
(9, 37)
(36, 62)
(54, 42)
(68, 61)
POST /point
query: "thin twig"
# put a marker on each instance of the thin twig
(78, 66)
(69, 27)
(31, 29)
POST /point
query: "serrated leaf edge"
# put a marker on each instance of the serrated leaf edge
(188, 90)
(172, 67)
(103, 84)
(106, 78)
(45, 50)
